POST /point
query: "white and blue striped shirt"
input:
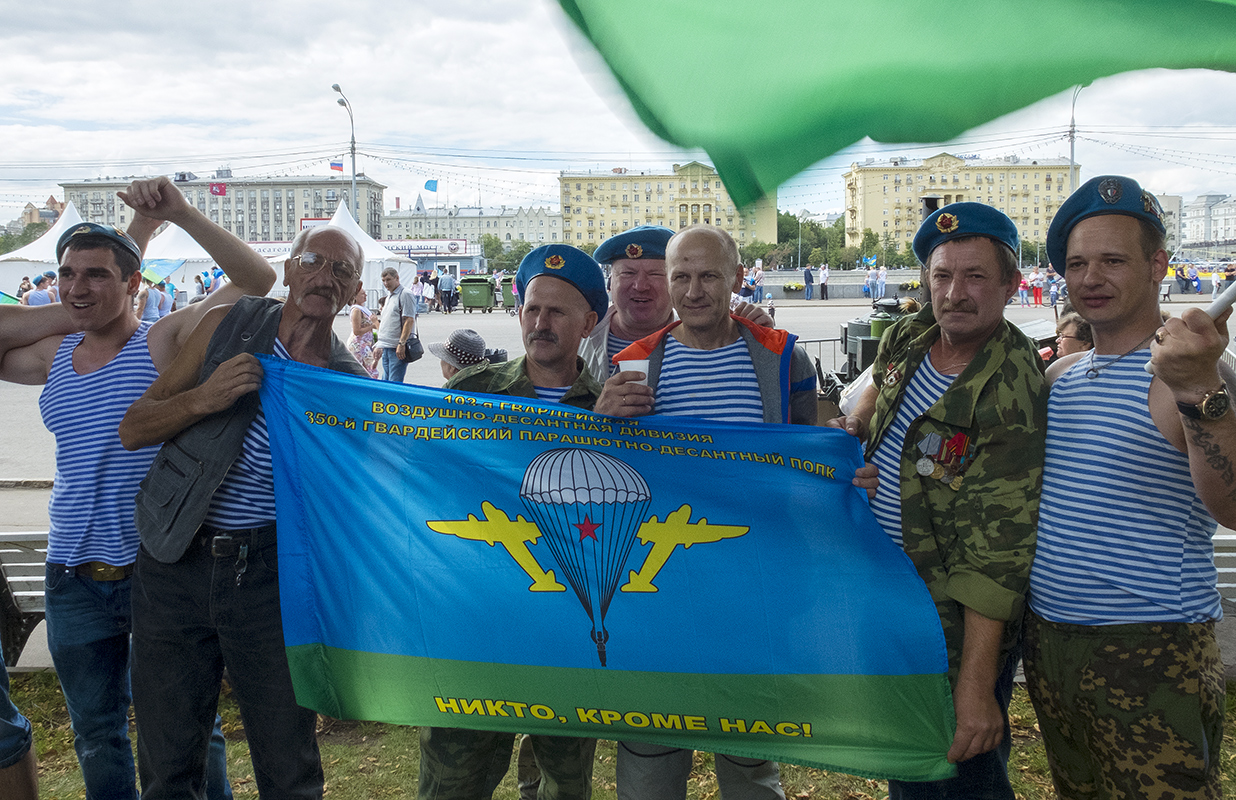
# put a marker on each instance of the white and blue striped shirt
(613, 346)
(1123, 536)
(925, 388)
(246, 498)
(91, 507)
(719, 385)
(551, 394)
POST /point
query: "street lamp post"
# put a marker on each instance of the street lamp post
(343, 101)
(800, 238)
(1073, 139)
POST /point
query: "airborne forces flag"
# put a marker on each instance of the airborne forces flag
(504, 564)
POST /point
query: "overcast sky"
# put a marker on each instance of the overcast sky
(491, 97)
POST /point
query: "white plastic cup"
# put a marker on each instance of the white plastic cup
(635, 365)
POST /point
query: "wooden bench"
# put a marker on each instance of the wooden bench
(23, 556)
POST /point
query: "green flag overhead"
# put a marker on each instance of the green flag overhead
(768, 88)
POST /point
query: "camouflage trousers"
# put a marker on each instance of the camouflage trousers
(1128, 711)
(462, 764)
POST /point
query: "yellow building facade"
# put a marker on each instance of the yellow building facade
(597, 204)
(894, 196)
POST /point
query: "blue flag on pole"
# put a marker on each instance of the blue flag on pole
(431, 186)
(499, 563)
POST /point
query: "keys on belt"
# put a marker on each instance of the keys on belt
(225, 546)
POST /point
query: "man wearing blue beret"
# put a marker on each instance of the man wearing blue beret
(1121, 658)
(563, 293)
(750, 374)
(955, 420)
(640, 290)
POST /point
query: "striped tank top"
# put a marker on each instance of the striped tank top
(91, 505)
(1123, 536)
(246, 497)
(719, 385)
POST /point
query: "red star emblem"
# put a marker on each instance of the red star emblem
(587, 529)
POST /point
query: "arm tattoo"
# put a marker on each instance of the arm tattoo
(1215, 459)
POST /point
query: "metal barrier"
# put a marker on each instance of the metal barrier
(819, 350)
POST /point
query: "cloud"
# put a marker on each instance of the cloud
(146, 87)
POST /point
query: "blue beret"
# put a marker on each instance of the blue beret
(91, 230)
(646, 241)
(569, 264)
(963, 219)
(1106, 194)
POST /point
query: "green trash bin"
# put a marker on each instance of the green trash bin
(508, 293)
(476, 291)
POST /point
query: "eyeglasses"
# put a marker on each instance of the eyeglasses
(309, 263)
(1066, 336)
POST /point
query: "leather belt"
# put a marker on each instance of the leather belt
(222, 543)
(98, 570)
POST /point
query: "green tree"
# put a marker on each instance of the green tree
(491, 246)
(509, 259)
(818, 256)
(870, 242)
(1033, 252)
(785, 253)
(748, 253)
(787, 227)
(13, 241)
(589, 248)
(907, 257)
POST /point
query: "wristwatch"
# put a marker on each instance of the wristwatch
(1213, 405)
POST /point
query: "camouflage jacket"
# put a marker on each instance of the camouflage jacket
(972, 545)
(510, 378)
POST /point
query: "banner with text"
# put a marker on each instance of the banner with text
(499, 563)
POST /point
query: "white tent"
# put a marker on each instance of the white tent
(377, 257)
(175, 243)
(39, 255)
(174, 246)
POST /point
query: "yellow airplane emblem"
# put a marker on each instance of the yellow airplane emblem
(516, 534)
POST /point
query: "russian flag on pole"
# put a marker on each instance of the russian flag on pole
(511, 565)
(337, 166)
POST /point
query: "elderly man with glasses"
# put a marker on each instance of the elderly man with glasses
(206, 589)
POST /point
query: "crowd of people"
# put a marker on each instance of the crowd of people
(1063, 518)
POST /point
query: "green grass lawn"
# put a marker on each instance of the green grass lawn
(366, 760)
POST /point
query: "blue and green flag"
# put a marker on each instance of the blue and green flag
(157, 269)
(769, 88)
(498, 563)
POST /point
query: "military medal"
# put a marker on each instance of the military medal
(892, 377)
(929, 446)
(955, 484)
(938, 472)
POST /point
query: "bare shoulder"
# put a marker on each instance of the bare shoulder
(31, 364)
(168, 336)
(1061, 365)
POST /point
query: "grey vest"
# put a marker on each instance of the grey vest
(175, 495)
